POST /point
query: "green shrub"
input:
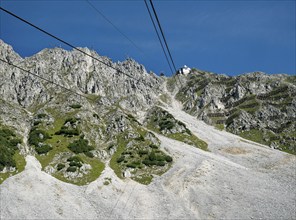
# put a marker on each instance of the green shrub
(42, 115)
(6, 157)
(188, 131)
(148, 162)
(140, 138)
(95, 115)
(36, 123)
(75, 164)
(120, 159)
(80, 146)
(35, 137)
(43, 149)
(68, 131)
(75, 106)
(71, 169)
(166, 124)
(89, 154)
(159, 158)
(152, 156)
(160, 163)
(110, 146)
(60, 166)
(142, 152)
(128, 152)
(71, 120)
(153, 146)
(132, 118)
(15, 142)
(181, 124)
(4, 132)
(131, 165)
(75, 159)
(8, 147)
(168, 159)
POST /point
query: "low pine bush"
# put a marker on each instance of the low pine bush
(80, 146)
(60, 166)
(43, 149)
(71, 169)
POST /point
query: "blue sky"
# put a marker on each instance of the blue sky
(231, 37)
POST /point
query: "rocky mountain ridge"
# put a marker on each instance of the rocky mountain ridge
(74, 134)
(114, 120)
(255, 106)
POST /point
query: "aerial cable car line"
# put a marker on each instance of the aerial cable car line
(66, 43)
(160, 41)
(164, 39)
(114, 26)
(47, 80)
(172, 61)
(163, 36)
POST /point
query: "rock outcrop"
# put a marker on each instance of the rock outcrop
(256, 106)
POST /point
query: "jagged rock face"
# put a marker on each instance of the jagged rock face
(78, 72)
(7, 53)
(254, 101)
(238, 92)
(96, 123)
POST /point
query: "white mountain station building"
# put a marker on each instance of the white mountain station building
(184, 70)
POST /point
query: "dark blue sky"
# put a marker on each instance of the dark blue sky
(230, 37)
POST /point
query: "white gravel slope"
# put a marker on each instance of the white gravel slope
(236, 180)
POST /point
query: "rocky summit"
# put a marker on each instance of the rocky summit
(92, 138)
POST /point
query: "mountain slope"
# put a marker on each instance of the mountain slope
(122, 144)
(73, 135)
(256, 106)
(253, 182)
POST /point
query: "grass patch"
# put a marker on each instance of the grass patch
(164, 98)
(59, 144)
(66, 143)
(268, 137)
(219, 126)
(113, 162)
(43, 149)
(142, 158)
(94, 98)
(190, 139)
(253, 135)
(80, 146)
(8, 147)
(144, 179)
(92, 175)
(76, 106)
(20, 166)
